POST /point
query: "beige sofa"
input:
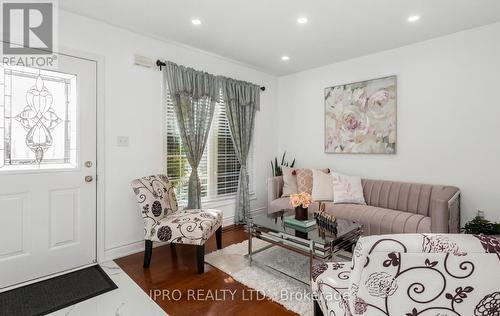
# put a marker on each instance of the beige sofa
(392, 207)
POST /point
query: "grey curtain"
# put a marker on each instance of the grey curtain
(242, 100)
(194, 94)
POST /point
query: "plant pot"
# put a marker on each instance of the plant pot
(301, 213)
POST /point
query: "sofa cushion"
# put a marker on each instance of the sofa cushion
(305, 179)
(375, 220)
(378, 220)
(280, 204)
(289, 181)
(347, 189)
(408, 197)
(283, 204)
(322, 186)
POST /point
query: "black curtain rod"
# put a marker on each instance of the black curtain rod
(160, 64)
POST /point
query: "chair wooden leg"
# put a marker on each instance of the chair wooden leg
(200, 258)
(218, 237)
(317, 309)
(148, 250)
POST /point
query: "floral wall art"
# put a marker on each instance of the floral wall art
(361, 117)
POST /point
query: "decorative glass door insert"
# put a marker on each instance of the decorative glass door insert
(38, 119)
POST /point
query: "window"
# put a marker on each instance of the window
(225, 166)
(37, 119)
(219, 168)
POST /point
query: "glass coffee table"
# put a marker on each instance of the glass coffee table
(314, 242)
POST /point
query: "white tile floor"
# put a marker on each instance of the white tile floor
(127, 300)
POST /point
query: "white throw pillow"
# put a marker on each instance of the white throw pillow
(347, 189)
(289, 181)
(322, 189)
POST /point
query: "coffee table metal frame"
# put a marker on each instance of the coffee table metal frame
(322, 251)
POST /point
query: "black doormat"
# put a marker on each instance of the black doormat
(50, 295)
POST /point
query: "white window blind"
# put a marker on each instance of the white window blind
(219, 168)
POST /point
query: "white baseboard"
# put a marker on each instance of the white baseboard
(125, 250)
(138, 246)
(259, 211)
(228, 221)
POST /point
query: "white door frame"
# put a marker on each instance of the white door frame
(100, 142)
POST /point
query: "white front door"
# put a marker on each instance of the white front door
(47, 169)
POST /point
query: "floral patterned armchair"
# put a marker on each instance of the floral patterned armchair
(412, 274)
(164, 222)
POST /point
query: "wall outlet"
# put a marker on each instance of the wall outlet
(122, 141)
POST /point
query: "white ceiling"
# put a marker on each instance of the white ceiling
(259, 32)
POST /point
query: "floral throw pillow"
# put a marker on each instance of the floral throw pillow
(347, 189)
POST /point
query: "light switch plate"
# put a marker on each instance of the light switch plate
(122, 141)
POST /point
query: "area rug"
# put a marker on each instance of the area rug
(50, 295)
(263, 276)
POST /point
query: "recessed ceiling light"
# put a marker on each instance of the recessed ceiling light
(413, 18)
(196, 21)
(302, 20)
(285, 58)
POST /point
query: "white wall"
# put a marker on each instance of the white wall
(448, 116)
(448, 109)
(133, 108)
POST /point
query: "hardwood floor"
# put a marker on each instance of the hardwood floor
(173, 269)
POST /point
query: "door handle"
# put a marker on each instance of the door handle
(88, 179)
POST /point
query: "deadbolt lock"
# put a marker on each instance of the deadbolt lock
(88, 163)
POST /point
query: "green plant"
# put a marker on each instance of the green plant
(276, 167)
(480, 225)
(177, 165)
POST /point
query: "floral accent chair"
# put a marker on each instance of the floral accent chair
(164, 222)
(412, 274)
